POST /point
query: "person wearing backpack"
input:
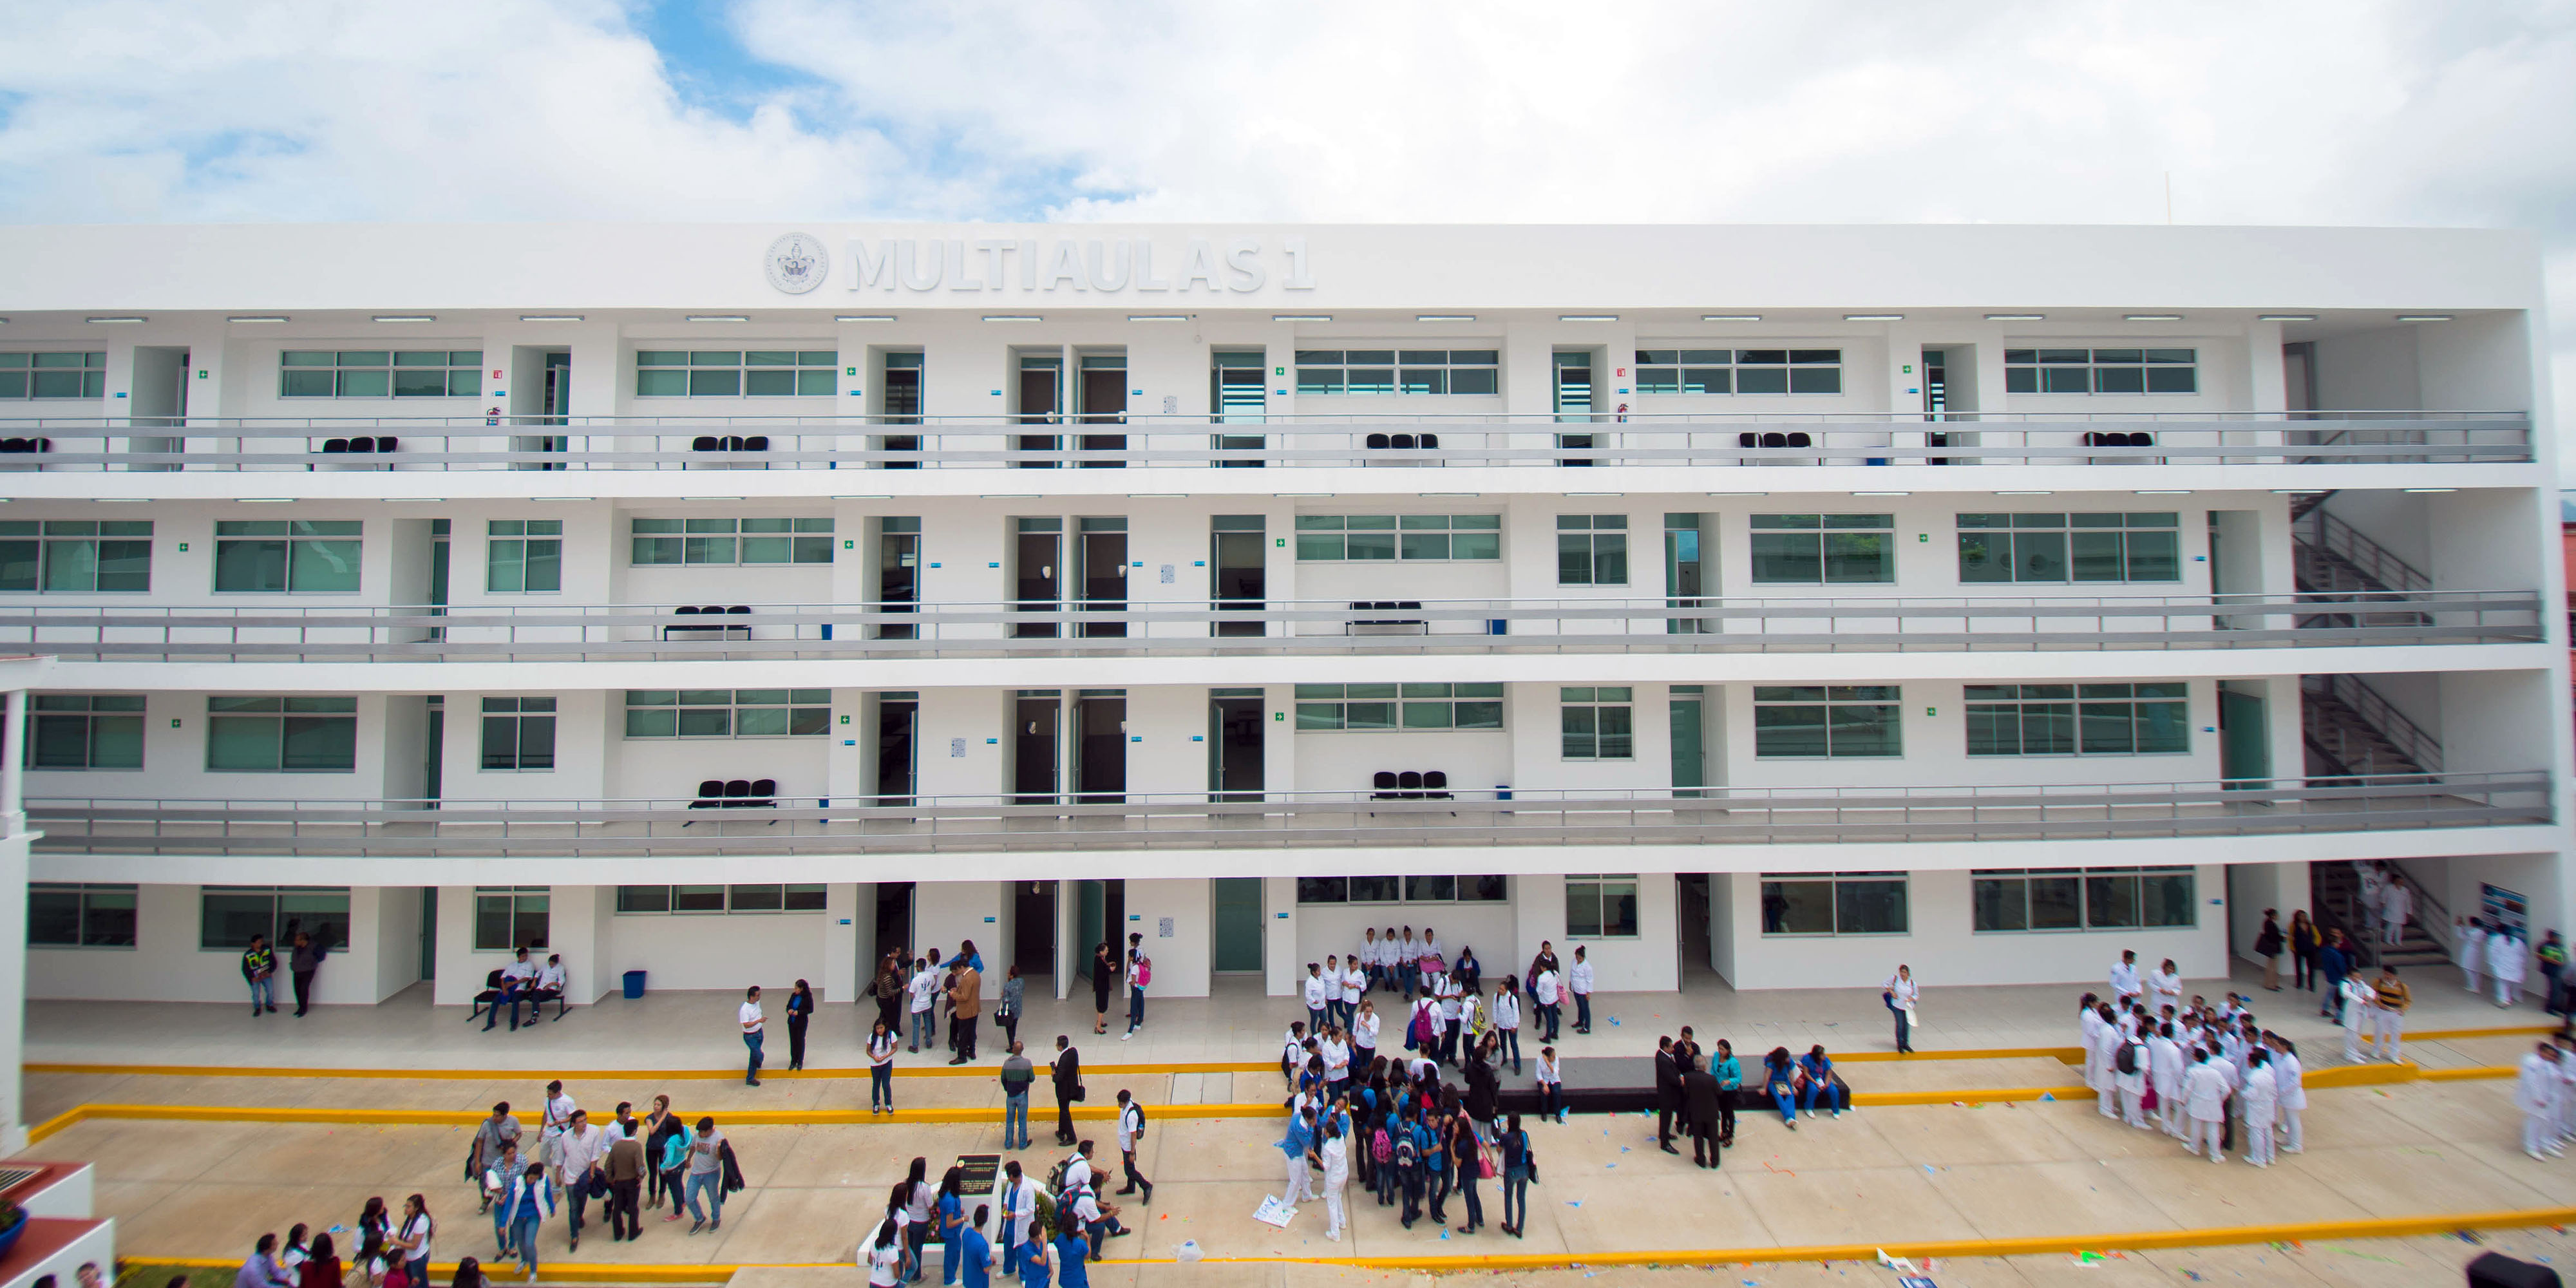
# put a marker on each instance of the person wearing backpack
(1140, 972)
(2130, 1065)
(1131, 1132)
(1407, 1164)
(1519, 1169)
(1382, 1159)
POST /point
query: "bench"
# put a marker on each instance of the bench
(722, 630)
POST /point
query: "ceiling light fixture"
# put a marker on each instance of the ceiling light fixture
(2016, 317)
(1587, 317)
(2151, 317)
(1158, 317)
(1301, 317)
(1732, 317)
(1873, 317)
(715, 317)
(259, 317)
(1444, 317)
(550, 317)
(863, 317)
(404, 317)
(118, 321)
(2285, 317)
(2402, 317)
(1012, 317)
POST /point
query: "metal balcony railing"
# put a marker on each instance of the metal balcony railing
(1840, 624)
(682, 442)
(1283, 820)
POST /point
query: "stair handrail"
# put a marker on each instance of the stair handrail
(2373, 560)
(2347, 917)
(2430, 912)
(2390, 723)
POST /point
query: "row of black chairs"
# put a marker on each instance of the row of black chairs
(26, 444)
(1402, 442)
(491, 997)
(723, 630)
(741, 793)
(1410, 785)
(729, 443)
(335, 446)
(2108, 438)
(1774, 439)
(1386, 606)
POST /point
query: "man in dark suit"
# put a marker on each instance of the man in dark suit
(1068, 1087)
(1701, 1100)
(1668, 1092)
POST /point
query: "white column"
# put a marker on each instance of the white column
(13, 755)
(13, 919)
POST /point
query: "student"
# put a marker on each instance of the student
(1353, 985)
(2304, 942)
(706, 1176)
(2268, 943)
(948, 1215)
(800, 1012)
(1780, 1082)
(1296, 1145)
(2536, 1093)
(624, 1168)
(1317, 997)
(923, 989)
(2164, 988)
(2334, 963)
(2204, 1091)
(1292, 1053)
(1131, 1134)
(262, 1270)
(529, 1201)
(1579, 982)
(303, 960)
(1364, 1035)
(1066, 1072)
(493, 1137)
(1038, 1257)
(1336, 1153)
(517, 979)
(883, 1255)
(2124, 975)
(1019, 1212)
(975, 1263)
(2396, 907)
(2507, 961)
(2390, 998)
(548, 986)
(1543, 993)
(1900, 994)
(2259, 1099)
(1006, 1011)
(259, 969)
(1551, 1085)
(880, 1067)
(1071, 1254)
(965, 1008)
(1816, 1072)
(1140, 973)
(1730, 1079)
(1104, 976)
(579, 1154)
(2164, 1076)
(2288, 1079)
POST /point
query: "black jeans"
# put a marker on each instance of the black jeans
(577, 1196)
(2303, 973)
(1135, 1179)
(1010, 1029)
(1063, 1115)
(625, 1216)
(796, 1040)
(965, 1042)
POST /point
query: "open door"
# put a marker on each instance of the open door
(1235, 752)
(1040, 390)
(1037, 738)
(1104, 402)
(2244, 741)
(1100, 764)
(1101, 548)
(1237, 557)
(1037, 553)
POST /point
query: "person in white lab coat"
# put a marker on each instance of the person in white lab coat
(2164, 1073)
(2204, 1091)
(2360, 1015)
(2566, 1086)
(2374, 891)
(2507, 959)
(2124, 976)
(2133, 1083)
(2259, 1101)
(2536, 1093)
(2470, 940)
(2088, 1023)
(2106, 1047)
(1337, 1177)
(2288, 1075)
(2164, 988)
(2396, 904)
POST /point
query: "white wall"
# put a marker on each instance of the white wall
(1180, 961)
(166, 964)
(724, 954)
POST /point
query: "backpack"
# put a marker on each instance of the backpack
(1144, 970)
(1407, 1157)
(2127, 1060)
(1420, 1031)
(1381, 1149)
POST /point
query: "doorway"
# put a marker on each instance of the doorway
(898, 572)
(1236, 562)
(160, 401)
(1104, 402)
(894, 920)
(1100, 551)
(429, 932)
(899, 397)
(1238, 394)
(1574, 400)
(1234, 926)
(1684, 546)
(1235, 752)
(1100, 751)
(1691, 904)
(1037, 735)
(1688, 704)
(1100, 917)
(2244, 741)
(1039, 387)
(1037, 549)
(1033, 927)
(554, 408)
(898, 751)
(433, 769)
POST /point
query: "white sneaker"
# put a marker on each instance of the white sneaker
(2532, 1154)
(1126, 1035)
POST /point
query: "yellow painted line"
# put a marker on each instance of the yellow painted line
(611, 1075)
(468, 1117)
(2130, 1241)
(2504, 1031)
(2065, 1055)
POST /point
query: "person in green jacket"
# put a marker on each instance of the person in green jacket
(259, 967)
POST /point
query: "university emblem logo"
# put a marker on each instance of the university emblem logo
(796, 263)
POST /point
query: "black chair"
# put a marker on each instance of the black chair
(387, 442)
(488, 998)
(1401, 440)
(1383, 784)
(710, 794)
(1377, 441)
(537, 999)
(1430, 441)
(1775, 439)
(1800, 439)
(1435, 784)
(739, 610)
(737, 793)
(362, 445)
(1748, 439)
(764, 793)
(706, 443)
(733, 442)
(1410, 783)
(2096, 438)
(335, 446)
(2142, 440)
(756, 443)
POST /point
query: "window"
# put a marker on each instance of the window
(298, 556)
(716, 898)
(1601, 907)
(1487, 889)
(518, 735)
(522, 555)
(84, 731)
(229, 915)
(53, 375)
(733, 541)
(741, 373)
(2070, 547)
(1365, 538)
(72, 915)
(75, 555)
(298, 735)
(2078, 719)
(1836, 903)
(507, 918)
(1592, 550)
(2011, 899)
(380, 373)
(1823, 549)
(1835, 722)
(728, 713)
(1739, 371)
(1399, 371)
(1599, 724)
(2101, 371)
(1356, 707)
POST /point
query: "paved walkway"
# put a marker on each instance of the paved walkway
(1998, 1171)
(1236, 1026)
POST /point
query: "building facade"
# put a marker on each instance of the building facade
(1770, 605)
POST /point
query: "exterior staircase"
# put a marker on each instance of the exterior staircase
(2353, 732)
(2334, 898)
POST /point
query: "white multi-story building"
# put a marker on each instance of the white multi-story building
(1766, 604)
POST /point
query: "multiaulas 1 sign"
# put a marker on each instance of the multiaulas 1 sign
(1054, 265)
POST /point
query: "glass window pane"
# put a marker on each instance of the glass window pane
(650, 898)
(1994, 730)
(2053, 903)
(2110, 902)
(1789, 731)
(250, 565)
(1617, 738)
(2155, 556)
(697, 898)
(717, 384)
(2048, 729)
(2001, 904)
(492, 923)
(2039, 556)
(661, 384)
(756, 898)
(1983, 557)
(2106, 729)
(1797, 907)
(1577, 737)
(1859, 557)
(2165, 899)
(321, 744)
(1787, 558)
(1323, 889)
(1869, 907)
(242, 744)
(2173, 380)
(323, 566)
(116, 742)
(1430, 889)
(108, 920)
(2163, 727)
(652, 722)
(1857, 729)
(2097, 556)
(228, 919)
(53, 918)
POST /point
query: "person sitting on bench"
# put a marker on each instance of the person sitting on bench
(550, 988)
(516, 978)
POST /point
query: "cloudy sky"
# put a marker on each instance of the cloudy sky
(2350, 112)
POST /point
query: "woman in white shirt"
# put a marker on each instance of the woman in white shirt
(1354, 983)
(1551, 1085)
(881, 1068)
(883, 1255)
(1507, 1022)
(1901, 993)
(2164, 988)
(2286, 1075)
(1336, 1153)
(1337, 1058)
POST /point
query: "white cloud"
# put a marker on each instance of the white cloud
(2367, 112)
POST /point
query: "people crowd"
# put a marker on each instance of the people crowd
(2210, 1076)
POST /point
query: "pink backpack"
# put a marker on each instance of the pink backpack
(1144, 970)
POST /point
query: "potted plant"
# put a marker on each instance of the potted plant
(13, 1223)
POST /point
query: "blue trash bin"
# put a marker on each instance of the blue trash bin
(634, 984)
